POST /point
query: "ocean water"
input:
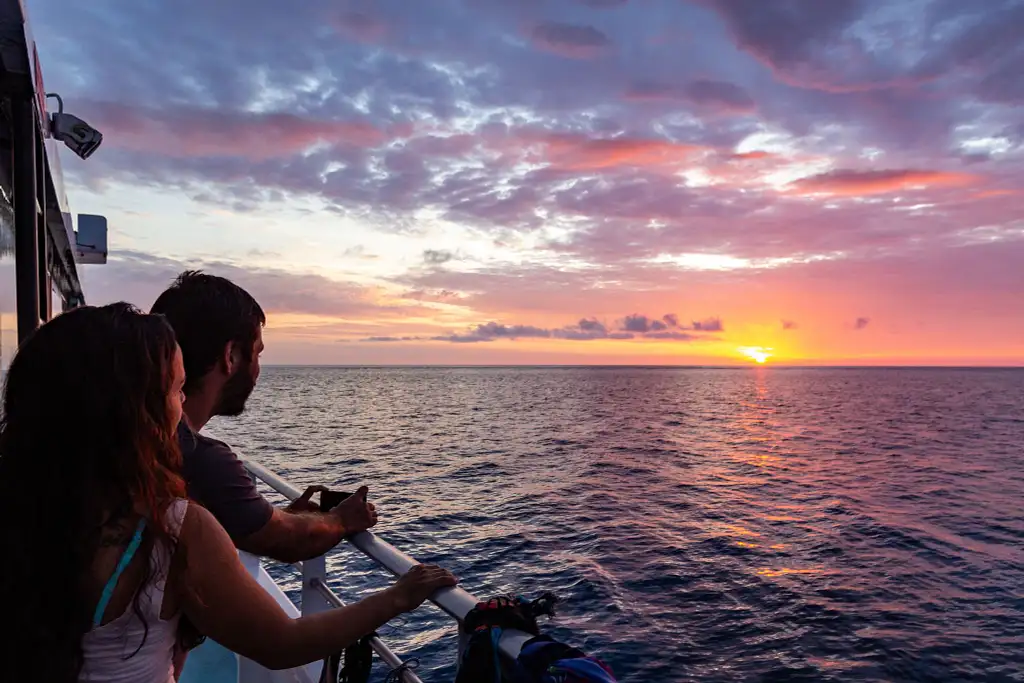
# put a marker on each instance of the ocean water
(712, 525)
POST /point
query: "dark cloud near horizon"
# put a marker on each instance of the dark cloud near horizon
(861, 323)
(708, 325)
(789, 325)
(634, 326)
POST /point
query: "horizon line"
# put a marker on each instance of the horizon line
(778, 366)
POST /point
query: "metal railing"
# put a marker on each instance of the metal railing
(383, 651)
(456, 602)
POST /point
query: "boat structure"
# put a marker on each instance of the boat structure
(43, 245)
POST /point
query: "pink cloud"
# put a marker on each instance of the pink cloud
(583, 153)
(849, 182)
(991, 194)
(570, 40)
(198, 132)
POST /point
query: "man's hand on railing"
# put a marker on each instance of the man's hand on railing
(417, 584)
(354, 513)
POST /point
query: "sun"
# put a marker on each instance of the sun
(758, 354)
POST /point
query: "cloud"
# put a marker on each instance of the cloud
(195, 132)
(982, 47)
(444, 296)
(795, 38)
(861, 323)
(570, 40)
(718, 96)
(590, 325)
(789, 325)
(360, 26)
(857, 183)
(462, 339)
(630, 327)
(580, 153)
(636, 323)
(140, 277)
(675, 336)
(496, 331)
(709, 325)
(648, 326)
(437, 257)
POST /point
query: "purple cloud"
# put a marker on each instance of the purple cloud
(360, 26)
(569, 40)
(861, 323)
(631, 327)
(709, 325)
(714, 96)
(636, 323)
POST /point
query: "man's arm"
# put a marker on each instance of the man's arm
(296, 536)
(218, 480)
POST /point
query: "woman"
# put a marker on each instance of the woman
(102, 554)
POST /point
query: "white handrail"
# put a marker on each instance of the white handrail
(454, 601)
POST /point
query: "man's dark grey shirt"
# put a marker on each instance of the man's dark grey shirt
(218, 480)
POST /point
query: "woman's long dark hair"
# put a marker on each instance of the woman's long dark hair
(85, 441)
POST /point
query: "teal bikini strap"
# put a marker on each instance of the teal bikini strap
(108, 590)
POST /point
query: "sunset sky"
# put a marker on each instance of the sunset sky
(564, 181)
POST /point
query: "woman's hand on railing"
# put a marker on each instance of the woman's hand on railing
(418, 583)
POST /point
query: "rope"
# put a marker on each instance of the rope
(395, 675)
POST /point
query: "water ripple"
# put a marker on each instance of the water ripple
(713, 525)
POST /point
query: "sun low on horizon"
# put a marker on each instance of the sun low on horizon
(669, 181)
(757, 354)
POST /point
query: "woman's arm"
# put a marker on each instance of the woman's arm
(227, 604)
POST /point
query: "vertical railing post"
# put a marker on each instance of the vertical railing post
(312, 600)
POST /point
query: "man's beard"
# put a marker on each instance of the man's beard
(236, 392)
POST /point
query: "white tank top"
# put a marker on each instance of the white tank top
(106, 648)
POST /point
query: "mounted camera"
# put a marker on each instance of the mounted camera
(79, 136)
